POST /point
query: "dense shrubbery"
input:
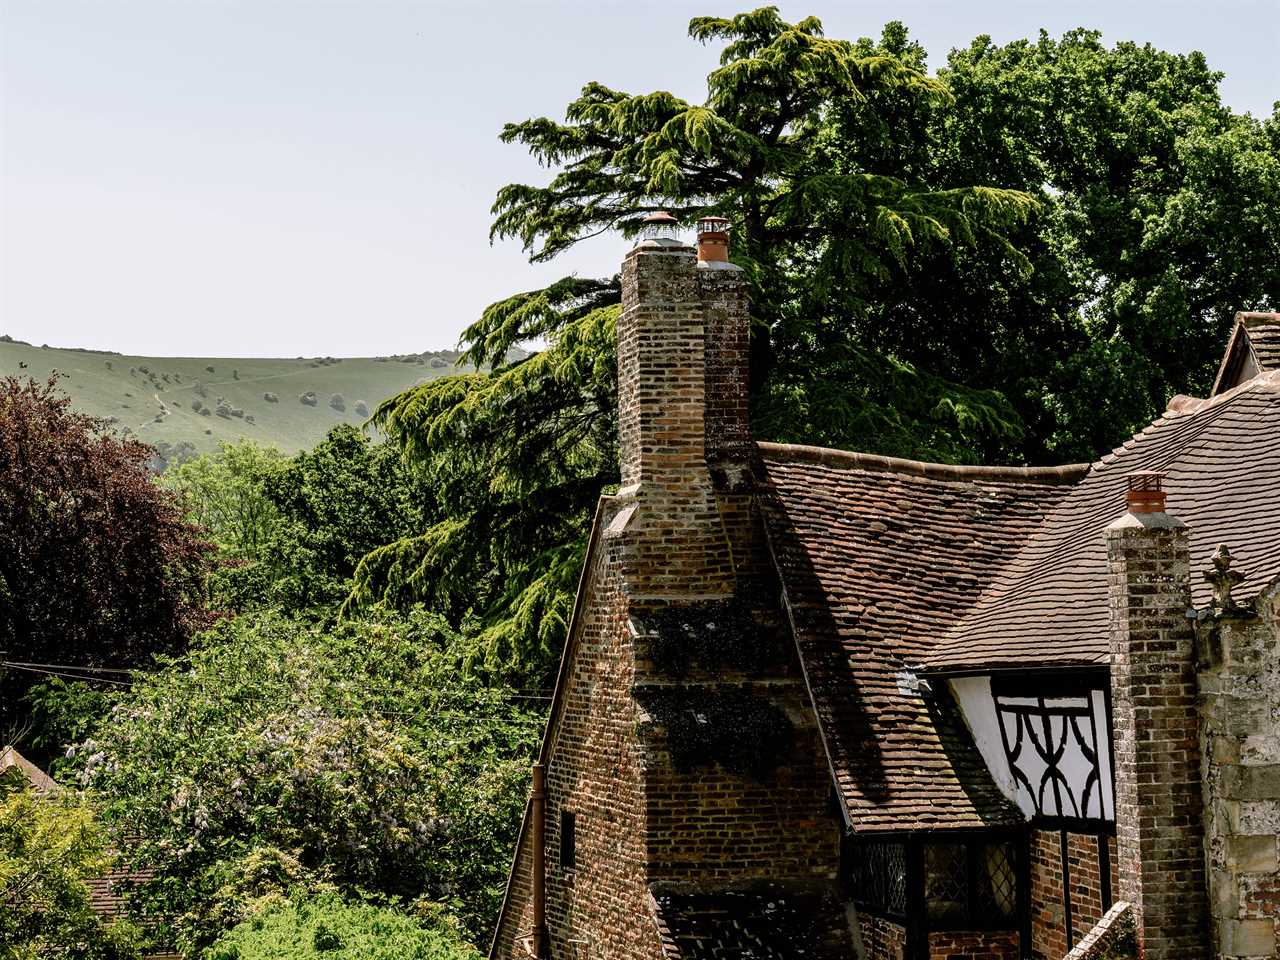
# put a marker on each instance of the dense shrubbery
(278, 757)
(327, 927)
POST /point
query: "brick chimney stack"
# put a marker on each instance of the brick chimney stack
(682, 396)
(1159, 807)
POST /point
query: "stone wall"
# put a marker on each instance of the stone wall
(1240, 704)
(1084, 893)
(1159, 808)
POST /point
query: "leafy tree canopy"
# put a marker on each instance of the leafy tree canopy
(279, 758)
(291, 530)
(1018, 260)
(97, 564)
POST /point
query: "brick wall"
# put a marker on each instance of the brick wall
(1159, 813)
(1049, 939)
(723, 295)
(882, 939)
(1240, 705)
(708, 826)
(974, 945)
(680, 531)
(1112, 936)
(595, 772)
(885, 940)
(662, 424)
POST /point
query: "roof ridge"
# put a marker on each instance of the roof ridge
(1182, 405)
(853, 460)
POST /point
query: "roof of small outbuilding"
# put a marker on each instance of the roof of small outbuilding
(770, 921)
(1255, 337)
(878, 558)
(1221, 460)
(40, 781)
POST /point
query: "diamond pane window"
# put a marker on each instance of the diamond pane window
(946, 885)
(996, 890)
(959, 881)
(879, 878)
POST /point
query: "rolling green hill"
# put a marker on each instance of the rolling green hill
(184, 405)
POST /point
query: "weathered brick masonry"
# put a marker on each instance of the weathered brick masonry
(1159, 812)
(683, 530)
(1084, 896)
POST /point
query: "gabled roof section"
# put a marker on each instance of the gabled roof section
(40, 781)
(1221, 460)
(769, 922)
(878, 558)
(1254, 348)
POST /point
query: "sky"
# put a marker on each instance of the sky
(285, 178)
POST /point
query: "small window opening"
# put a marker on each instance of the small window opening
(568, 840)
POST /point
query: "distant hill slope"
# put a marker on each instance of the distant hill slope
(188, 404)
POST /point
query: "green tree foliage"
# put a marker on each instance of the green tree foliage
(97, 564)
(50, 847)
(528, 444)
(1158, 224)
(339, 500)
(278, 757)
(1017, 260)
(226, 493)
(518, 457)
(291, 530)
(792, 144)
(326, 927)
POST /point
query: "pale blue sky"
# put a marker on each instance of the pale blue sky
(277, 177)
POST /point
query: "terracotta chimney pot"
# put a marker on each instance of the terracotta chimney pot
(713, 239)
(1146, 492)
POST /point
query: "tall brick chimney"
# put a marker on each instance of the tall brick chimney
(682, 395)
(1159, 808)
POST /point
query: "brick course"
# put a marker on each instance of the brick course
(1048, 909)
(1159, 812)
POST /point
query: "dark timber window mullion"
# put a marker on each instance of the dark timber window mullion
(917, 906)
(1024, 893)
(972, 852)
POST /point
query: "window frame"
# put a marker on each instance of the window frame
(568, 852)
(916, 921)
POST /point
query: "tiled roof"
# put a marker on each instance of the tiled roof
(106, 893)
(40, 781)
(1221, 458)
(1264, 337)
(1254, 348)
(878, 558)
(768, 922)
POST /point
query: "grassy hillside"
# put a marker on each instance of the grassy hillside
(188, 404)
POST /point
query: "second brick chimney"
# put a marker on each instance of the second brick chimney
(683, 341)
(1159, 810)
